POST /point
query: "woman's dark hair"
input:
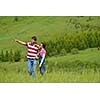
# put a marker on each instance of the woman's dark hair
(35, 38)
(43, 44)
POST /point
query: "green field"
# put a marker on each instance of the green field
(17, 72)
(83, 66)
(44, 27)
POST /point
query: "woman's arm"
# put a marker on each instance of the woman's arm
(20, 42)
(42, 60)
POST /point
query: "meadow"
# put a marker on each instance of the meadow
(73, 53)
(70, 68)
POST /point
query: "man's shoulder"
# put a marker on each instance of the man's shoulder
(28, 42)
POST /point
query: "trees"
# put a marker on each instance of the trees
(2, 56)
(67, 42)
(74, 51)
(60, 45)
(6, 56)
(17, 55)
(11, 56)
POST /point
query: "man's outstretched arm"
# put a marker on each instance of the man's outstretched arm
(20, 42)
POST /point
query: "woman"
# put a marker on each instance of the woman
(42, 55)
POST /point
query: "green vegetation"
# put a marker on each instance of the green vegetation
(80, 67)
(73, 43)
(74, 51)
(73, 48)
(11, 56)
(44, 27)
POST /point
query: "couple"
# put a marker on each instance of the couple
(35, 52)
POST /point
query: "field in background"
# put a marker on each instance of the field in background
(83, 66)
(44, 27)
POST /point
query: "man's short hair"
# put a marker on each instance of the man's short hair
(35, 38)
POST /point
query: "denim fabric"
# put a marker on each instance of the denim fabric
(42, 68)
(32, 63)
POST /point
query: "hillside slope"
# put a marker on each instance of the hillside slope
(44, 27)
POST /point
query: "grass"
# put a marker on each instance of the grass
(44, 27)
(47, 28)
(54, 77)
(90, 55)
(17, 72)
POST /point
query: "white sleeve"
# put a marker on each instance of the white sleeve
(42, 59)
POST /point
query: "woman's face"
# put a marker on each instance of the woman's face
(41, 46)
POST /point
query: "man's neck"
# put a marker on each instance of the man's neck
(33, 43)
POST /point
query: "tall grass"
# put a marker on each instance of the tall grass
(59, 69)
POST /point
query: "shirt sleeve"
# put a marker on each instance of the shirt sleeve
(42, 59)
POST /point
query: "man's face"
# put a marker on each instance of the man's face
(33, 41)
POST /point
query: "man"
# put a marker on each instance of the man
(33, 49)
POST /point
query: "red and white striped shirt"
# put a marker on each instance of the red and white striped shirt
(32, 50)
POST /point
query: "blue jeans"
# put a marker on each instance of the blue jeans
(32, 63)
(42, 68)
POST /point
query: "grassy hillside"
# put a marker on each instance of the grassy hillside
(90, 55)
(44, 27)
(81, 67)
(17, 72)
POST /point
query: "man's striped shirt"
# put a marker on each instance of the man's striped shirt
(32, 50)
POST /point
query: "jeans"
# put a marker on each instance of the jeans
(32, 63)
(42, 68)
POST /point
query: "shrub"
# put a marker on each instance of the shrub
(80, 41)
(2, 56)
(11, 56)
(6, 56)
(74, 51)
(63, 52)
(98, 48)
(17, 55)
(53, 53)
